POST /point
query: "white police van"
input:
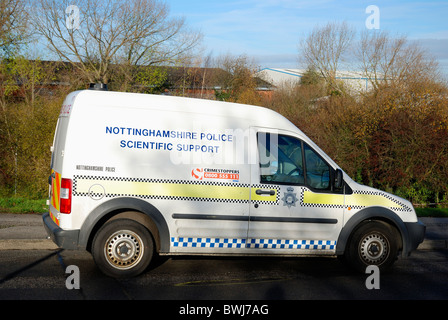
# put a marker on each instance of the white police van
(136, 175)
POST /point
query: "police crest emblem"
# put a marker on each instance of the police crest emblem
(289, 198)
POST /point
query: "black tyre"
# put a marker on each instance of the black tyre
(372, 243)
(122, 248)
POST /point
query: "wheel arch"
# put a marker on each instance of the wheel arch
(130, 208)
(373, 213)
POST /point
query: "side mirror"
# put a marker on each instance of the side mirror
(338, 180)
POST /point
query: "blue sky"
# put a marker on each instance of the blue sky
(270, 30)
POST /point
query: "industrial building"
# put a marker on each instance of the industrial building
(279, 77)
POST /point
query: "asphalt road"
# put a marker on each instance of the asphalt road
(41, 274)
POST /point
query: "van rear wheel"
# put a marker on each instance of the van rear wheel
(123, 248)
(372, 243)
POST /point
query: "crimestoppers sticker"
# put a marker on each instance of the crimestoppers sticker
(215, 174)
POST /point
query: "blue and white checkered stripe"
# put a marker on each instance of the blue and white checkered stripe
(291, 244)
(208, 242)
(187, 242)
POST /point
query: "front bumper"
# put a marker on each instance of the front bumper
(416, 234)
(66, 239)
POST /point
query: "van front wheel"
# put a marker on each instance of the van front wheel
(122, 248)
(372, 243)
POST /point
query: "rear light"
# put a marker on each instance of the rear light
(66, 196)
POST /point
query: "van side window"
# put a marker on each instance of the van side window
(281, 159)
(317, 171)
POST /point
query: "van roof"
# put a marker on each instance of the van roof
(256, 116)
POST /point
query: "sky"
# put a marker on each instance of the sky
(270, 31)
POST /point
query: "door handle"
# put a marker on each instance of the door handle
(268, 192)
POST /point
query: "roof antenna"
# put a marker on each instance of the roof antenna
(98, 86)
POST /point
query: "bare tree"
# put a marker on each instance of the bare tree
(387, 60)
(94, 34)
(207, 62)
(13, 24)
(324, 48)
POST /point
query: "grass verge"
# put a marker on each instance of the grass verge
(22, 205)
(432, 212)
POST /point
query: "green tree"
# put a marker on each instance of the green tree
(311, 77)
